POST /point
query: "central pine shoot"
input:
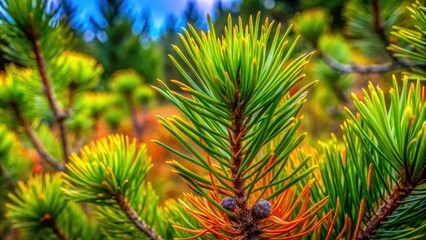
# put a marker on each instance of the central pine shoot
(239, 112)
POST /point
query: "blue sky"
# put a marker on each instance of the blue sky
(159, 9)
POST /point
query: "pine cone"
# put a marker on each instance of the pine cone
(229, 204)
(261, 209)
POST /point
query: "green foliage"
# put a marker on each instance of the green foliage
(178, 216)
(11, 90)
(145, 202)
(114, 117)
(398, 133)
(144, 96)
(27, 24)
(382, 156)
(414, 40)
(105, 168)
(6, 142)
(125, 82)
(397, 137)
(14, 164)
(80, 122)
(130, 93)
(312, 24)
(239, 86)
(37, 39)
(111, 173)
(237, 66)
(129, 85)
(82, 72)
(367, 29)
(39, 208)
(371, 22)
(96, 103)
(323, 3)
(339, 49)
(17, 90)
(37, 204)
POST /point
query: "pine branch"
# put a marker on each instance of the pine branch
(41, 150)
(400, 191)
(246, 220)
(59, 233)
(121, 161)
(47, 88)
(366, 69)
(58, 114)
(401, 120)
(133, 216)
(380, 28)
(138, 129)
(48, 221)
(39, 204)
(362, 69)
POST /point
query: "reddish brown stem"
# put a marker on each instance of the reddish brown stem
(58, 114)
(137, 127)
(51, 223)
(47, 88)
(41, 150)
(398, 194)
(136, 220)
(247, 223)
(59, 233)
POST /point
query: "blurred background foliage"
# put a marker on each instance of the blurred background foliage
(122, 36)
(120, 50)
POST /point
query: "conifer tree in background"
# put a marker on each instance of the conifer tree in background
(131, 92)
(241, 111)
(191, 15)
(115, 42)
